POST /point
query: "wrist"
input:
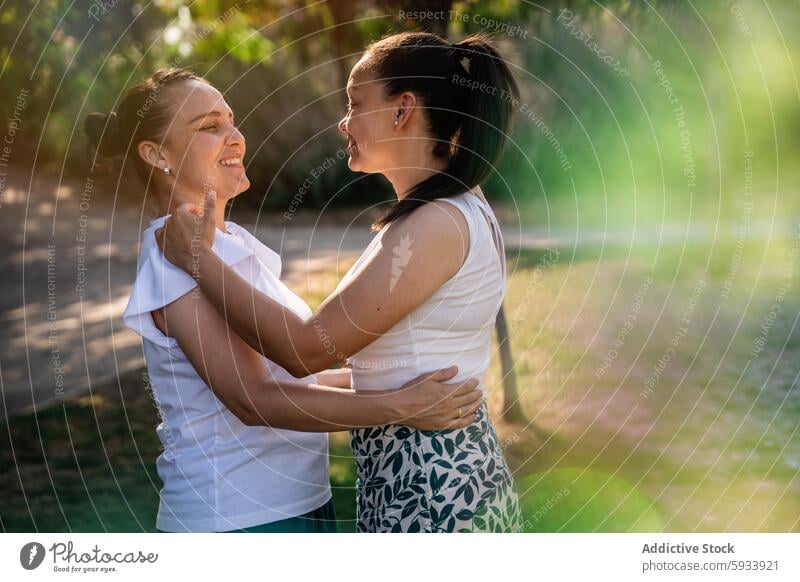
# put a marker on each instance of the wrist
(201, 254)
(394, 406)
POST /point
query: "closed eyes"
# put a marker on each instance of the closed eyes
(214, 126)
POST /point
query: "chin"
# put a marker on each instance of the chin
(233, 190)
(358, 165)
(242, 186)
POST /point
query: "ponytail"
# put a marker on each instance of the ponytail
(467, 91)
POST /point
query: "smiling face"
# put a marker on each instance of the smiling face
(369, 123)
(202, 148)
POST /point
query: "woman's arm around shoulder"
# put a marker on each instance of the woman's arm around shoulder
(415, 257)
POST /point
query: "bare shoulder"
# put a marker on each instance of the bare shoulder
(436, 231)
(436, 221)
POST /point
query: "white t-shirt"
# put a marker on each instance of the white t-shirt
(220, 474)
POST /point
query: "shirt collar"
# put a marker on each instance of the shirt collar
(229, 247)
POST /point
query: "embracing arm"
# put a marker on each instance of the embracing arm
(415, 257)
(237, 375)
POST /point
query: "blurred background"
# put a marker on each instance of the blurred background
(649, 202)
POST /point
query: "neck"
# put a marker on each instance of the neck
(417, 167)
(169, 203)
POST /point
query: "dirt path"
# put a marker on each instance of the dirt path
(66, 275)
(70, 261)
(69, 266)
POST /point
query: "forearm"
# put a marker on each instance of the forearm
(266, 325)
(315, 408)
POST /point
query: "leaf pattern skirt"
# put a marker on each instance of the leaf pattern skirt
(433, 481)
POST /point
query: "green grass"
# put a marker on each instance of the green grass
(89, 466)
(713, 447)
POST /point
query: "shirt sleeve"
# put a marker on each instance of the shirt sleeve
(158, 283)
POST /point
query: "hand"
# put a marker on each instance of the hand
(185, 233)
(429, 404)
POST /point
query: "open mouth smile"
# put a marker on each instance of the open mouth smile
(232, 162)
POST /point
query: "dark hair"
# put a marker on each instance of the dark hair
(466, 90)
(143, 113)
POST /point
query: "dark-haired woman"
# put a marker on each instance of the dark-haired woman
(244, 443)
(432, 118)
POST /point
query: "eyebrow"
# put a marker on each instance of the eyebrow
(210, 114)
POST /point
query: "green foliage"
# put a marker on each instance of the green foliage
(583, 130)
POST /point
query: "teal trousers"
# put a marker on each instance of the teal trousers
(320, 520)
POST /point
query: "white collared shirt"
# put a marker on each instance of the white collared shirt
(218, 473)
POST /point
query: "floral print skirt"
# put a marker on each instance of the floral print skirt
(429, 481)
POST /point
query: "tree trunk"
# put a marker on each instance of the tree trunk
(512, 411)
(343, 35)
(436, 25)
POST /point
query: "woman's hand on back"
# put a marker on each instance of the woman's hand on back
(427, 403)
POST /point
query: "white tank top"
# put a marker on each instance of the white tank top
(454, 326)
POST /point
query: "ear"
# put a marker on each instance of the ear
(152, 154)
(405, 107)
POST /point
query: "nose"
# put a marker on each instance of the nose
(236, 137)
(343, 124)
